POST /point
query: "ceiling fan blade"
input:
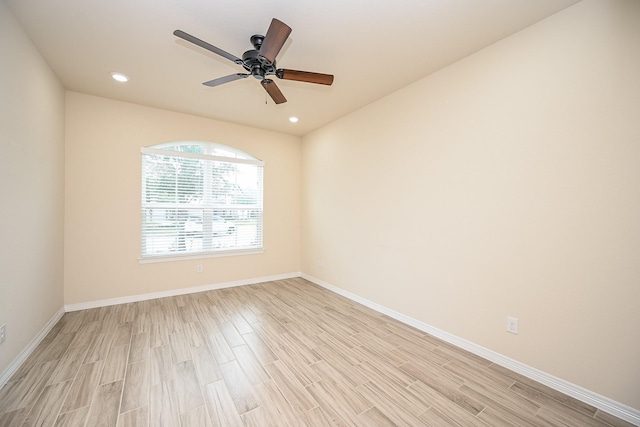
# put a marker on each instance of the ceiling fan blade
(274, 40)
(226, 79)
(305, 76)
(205, 45)
(273, 91)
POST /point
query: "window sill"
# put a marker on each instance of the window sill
(169, 258)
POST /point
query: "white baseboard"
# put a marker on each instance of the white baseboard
(603, 403)
(18, 361)
(175, 292)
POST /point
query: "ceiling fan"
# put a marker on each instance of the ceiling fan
(260, 62)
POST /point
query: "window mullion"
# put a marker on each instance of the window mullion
(207, 201)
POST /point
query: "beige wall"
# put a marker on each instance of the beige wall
(102, 218)
(507, 184)
(31, 189)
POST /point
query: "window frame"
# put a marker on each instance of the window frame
(237, 157)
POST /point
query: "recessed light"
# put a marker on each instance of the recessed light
(122, 78)
(293, 119)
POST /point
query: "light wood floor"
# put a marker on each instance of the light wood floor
(284, 353)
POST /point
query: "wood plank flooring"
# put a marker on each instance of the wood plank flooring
(285, 353)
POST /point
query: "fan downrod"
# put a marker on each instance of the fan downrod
(256, 41)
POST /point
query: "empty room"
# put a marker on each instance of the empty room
(297, 213)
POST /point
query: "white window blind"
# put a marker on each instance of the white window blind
(200, 199)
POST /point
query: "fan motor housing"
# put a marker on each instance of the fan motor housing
(256, 64)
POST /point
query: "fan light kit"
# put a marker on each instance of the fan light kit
(122, 78)
(260, 62)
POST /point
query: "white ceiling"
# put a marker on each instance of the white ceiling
(373, 47)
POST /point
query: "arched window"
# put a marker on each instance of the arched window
(200, 199)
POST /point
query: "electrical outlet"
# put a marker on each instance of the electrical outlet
(320, 264)
(199, 268)
(3, 333)
(512, 325)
